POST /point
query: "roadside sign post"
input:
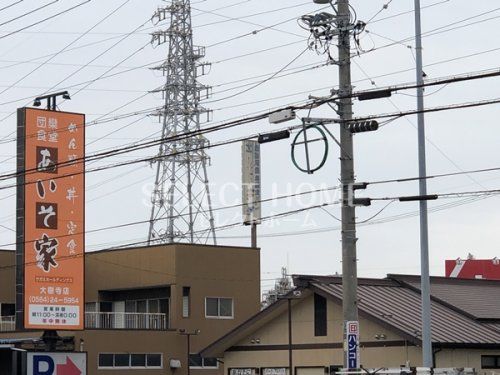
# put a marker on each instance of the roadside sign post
(50, 222)
(251, 190)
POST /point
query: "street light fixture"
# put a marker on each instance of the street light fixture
(51, 100)
(184, 332)
(296, 294)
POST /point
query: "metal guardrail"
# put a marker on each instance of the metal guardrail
(119, 320)
(7, 323)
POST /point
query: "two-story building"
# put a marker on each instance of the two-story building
(142, 305)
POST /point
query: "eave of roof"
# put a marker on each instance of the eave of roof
(466, 296)
(474, 333)
(394, 307)
(217, 348)
(366, 314)
(169, 245)
(445, 280)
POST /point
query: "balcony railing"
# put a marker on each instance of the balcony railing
(119, 320)
(7, 323)
(105, 320)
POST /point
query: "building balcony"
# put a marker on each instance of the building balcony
(7, 323)
(123, 320)
(108, 320)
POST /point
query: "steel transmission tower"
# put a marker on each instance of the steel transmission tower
(182, 210)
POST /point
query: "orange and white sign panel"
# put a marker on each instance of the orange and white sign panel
(54, 219)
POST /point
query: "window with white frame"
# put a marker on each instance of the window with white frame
(130, 361)
(221, 308)
(198, 362)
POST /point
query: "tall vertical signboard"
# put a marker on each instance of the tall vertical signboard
(251, 180)
(51, 220)
(352, 342)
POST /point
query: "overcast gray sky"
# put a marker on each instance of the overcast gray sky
(464, 40)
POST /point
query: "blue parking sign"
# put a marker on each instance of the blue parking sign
(61, 363)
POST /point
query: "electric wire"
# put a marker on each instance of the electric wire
(473, 194)
(384, 7)
(81, 68)
(451, 174)
(28, 13)
(253, 53)
(293, 71)
(408, 12)
(458, 58)
(252, 119)
(415, 127)
(435, 31)
(45, 19)
(385, 220)
(102, 20)
(262, 27)
(261, 82)
(36, 59)
(249, 15)
(266, 218)
(240, 224)
(11, 5)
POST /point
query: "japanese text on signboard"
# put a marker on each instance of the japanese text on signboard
(251, 180)
(352, 337)
(53, 219)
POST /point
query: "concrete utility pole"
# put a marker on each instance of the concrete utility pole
(424, 229)
(349, 259)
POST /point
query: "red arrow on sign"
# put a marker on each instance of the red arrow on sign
(68, 369)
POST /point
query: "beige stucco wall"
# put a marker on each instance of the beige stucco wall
(276, 332)
(467, 358)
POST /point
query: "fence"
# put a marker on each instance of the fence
(7, 323)
(122, 320)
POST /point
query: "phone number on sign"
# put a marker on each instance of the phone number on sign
(65, 300)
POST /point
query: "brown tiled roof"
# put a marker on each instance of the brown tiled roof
(494, 326)
(398, 306)
(477, 298)
(389, 302)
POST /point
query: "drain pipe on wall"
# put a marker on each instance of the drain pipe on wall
(434, 352)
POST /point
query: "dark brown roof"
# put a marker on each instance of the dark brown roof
(397, 306)
(477, 298)
(389, 302)
(494, 326)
